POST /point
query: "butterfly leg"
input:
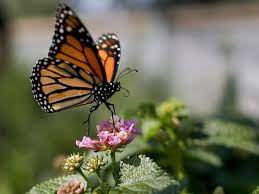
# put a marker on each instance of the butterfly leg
(112, 105)
(111, 108)
(92, 109)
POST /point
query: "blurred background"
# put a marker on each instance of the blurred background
(204, 52)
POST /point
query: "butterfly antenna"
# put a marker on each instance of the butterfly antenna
(126, 92)
(124, 70)
(126, 73)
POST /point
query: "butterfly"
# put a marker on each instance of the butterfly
(77, 71)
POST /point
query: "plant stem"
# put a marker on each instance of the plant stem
(86, 179)
(115, 169)
(177, 156)
(99, 177)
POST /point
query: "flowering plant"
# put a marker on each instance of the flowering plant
(135, 173)
(165, 130)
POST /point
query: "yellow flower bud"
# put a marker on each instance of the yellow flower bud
(72, 162)
(95, 164)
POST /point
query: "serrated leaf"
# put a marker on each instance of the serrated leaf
(230, 135)
(141, 175)
(204, 156)
(256, 191)
(51, 186)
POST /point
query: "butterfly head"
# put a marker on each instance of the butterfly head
(117, 86)
(122, 74)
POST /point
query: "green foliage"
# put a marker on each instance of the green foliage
(205, 156)
(172, 108)
(230, 135)
(51, 186)
(256, 191)
(141, 175)
(150, 128)
(188, 147)
(102, 189)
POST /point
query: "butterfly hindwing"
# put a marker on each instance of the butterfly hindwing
(57, 85)
(109, 51)
(73, 43)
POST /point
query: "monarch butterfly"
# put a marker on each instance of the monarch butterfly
(77, 71)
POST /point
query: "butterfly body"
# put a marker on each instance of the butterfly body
(103, 92)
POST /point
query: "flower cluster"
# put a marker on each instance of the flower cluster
(95, 164)
(72, 187)
(112, 134)
(72, 162)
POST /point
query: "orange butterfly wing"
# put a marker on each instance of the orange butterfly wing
(73, 43)
(108, 46)
(57, 85)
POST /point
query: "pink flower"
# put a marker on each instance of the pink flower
(110, 137)
(91, 144)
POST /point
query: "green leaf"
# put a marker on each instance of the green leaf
(150, 127)
(256, 191)
(51, 186)
(204, 156)
(141, 175)
(230, 135)
(103, 189)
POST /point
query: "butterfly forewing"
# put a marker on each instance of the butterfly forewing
(109, 51)
(73, 43)
(57, 85)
